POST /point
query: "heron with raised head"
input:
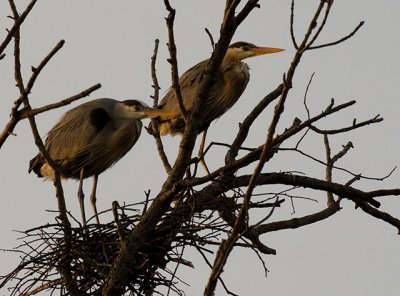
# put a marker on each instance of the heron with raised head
(231, 81)
(90, 138)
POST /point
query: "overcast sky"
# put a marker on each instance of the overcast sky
(111, 42)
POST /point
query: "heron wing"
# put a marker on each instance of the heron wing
(109, 146)
(227, 89)
(75, 131)
(189, 82)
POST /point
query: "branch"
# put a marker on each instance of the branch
(341, 39)
(255, 154)
(18, 20)
(120, 272)
(24, 113)
(248, 122)
(381, 215)
(322, 25)
(266, 152)
(297, 222)
(155, 132)
(355, 125)
(330, 161)
(65, 264)
(173, 61)
(24, 91)
(17, 115)
(292, 26)
(347, 192)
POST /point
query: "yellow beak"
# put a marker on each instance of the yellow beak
(151, 112)
(265, 50)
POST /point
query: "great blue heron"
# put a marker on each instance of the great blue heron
(90, 138)
(231, 81)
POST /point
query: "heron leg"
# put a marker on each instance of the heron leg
(81, 197)
(200, 155)
(93, 198)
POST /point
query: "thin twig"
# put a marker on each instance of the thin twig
(211, 38)
(340, 40)
(62, 103)
(173, 60)
(292, 26)
(354, 126)
(329, 168)
(65, 267)
(154, 126)
(18, 20)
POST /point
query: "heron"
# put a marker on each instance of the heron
(231, 81)
(90, 138)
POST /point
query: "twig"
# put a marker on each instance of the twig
(24, 91)
(154, 126)
(297, 222)
(146, 204)
(328, 170)
(381, 215)
(120, 229)
(255, 154)
(62, 103)
(340, 40)
(359, 176)
(355, 125)
(211, 38)
(248, 121)
(306, 93)
(292, 26)
(65, 268)
(17, 115)
(18, 20)
(329, 4)
(173, 60)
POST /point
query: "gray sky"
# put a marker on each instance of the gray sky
(112, 42)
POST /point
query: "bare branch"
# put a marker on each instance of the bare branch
(292, 26)
(297, 222)
(255, 154)
(306, 93)
(17, 115)
(381, 215)
(211, 38)
(340, 40)
(17, 23)
(173, 60)
(355, 125)
(248, 121)
(62, 103)
(354, 175)
(353, 194)
(322, 25)
(155, 132)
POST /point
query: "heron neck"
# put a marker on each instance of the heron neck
(228, 62)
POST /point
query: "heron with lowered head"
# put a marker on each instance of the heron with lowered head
(231, 81)
(90, 138)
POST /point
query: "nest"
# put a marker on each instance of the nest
(53, 255)
(94, 249)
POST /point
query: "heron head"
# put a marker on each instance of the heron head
(242, 50)
(138, 110)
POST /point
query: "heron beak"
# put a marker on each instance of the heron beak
(151, 113)
(265, 50)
